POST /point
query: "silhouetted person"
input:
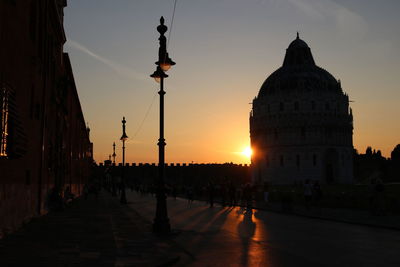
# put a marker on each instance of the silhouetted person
(266, 192)
(85, 191)
(307, 191)
(68, 196)
(113, 188)
(190, 194)
(371, 195)
(247, 195)
(232, 194)
(174, 192)
(223, 192)
(378, 197)
(54, 200)
(317, 193)
(211, 194)
(93, 189)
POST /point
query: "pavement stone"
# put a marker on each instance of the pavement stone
(93, 232)
(102, 232)
(238, 236)
(361, 217)
(352, 216)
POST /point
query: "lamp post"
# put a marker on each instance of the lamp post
(161, 222)
(114, 155)
(123, 138)
(113, 189)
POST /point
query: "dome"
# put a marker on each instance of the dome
(298, 43)
(299, 72)
(301, 126)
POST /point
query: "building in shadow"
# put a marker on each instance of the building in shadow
(301, 126)
(45, 143)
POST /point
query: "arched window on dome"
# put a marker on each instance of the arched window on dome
(281, 161)
(298, 161)
(301, 84)
(267, 162)
(327, 107)
(312, 105)
(281, 106)
(276, 134)
(296, 105)
(314, 159)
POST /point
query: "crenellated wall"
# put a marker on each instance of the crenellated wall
(182, 173)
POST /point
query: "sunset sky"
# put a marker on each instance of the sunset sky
(224, 50)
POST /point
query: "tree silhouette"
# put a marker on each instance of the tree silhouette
(395, 155)
(368, 152)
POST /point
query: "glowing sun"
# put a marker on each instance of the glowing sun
(247, 152)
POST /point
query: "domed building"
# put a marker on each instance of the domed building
(301, 126)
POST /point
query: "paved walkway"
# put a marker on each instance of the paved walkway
(102, 232)
(235, 236)
(94, 232)
(353, 216)
(361, 217)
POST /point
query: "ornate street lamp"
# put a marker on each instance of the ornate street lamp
(114, 155)
(161, 222)
(123, 138)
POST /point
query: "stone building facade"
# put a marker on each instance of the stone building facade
(44, 140)
(301, 125)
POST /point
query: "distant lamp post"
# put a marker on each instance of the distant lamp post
(161, 222)
(114, 155)
(113, 186)
(123, 138)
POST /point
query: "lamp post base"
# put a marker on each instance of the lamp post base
(161, 226)
(113, 191)
(123, 197)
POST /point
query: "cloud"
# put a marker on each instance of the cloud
(348, 23)
(119, 69)
(308, 8)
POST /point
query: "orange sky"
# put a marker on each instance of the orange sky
(224, 51)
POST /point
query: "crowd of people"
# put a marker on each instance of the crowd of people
(228, 194)
(58, 200)
(308, 194)
(225, 193)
